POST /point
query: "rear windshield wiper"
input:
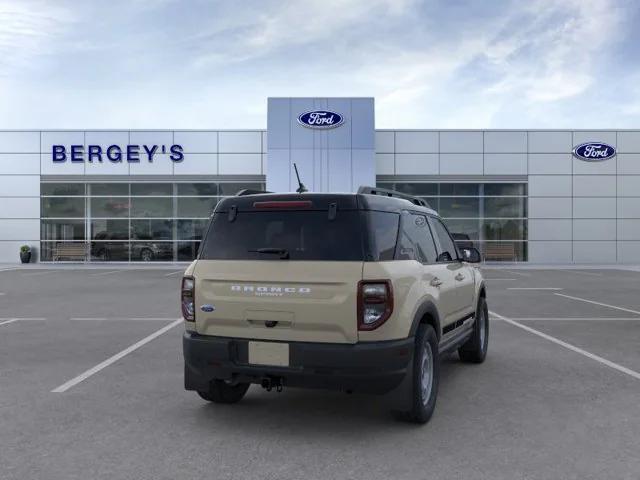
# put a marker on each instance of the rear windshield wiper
(283, 252)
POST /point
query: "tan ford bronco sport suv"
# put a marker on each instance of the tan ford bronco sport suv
(355, 292)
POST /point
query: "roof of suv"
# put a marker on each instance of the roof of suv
(320, 201)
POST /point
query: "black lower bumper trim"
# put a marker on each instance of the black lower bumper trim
(372, 367)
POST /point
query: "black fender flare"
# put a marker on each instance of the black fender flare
(482, 291)
(426, 308)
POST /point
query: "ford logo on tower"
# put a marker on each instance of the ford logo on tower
(594, 151)
(320, 119)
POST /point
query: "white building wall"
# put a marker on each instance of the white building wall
(578, 211)
(25, 156)
(582, 212)
(19, 192)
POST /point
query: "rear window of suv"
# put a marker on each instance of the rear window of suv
(301, 235)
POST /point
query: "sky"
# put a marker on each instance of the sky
(212, 64)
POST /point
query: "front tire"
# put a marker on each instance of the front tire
(223, 392)
(426, 376)
(475, 349)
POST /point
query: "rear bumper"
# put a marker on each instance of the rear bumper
(372, 367)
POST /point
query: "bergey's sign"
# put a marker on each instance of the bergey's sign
(320, 119)
(594, 151)
(114, 153)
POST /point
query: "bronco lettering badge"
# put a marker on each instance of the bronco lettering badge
(268, 291)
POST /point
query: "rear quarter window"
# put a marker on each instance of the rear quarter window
(382, 235)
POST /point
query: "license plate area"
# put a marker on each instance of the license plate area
(269, 353)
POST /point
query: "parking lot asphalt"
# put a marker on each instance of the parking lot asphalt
(557, 398)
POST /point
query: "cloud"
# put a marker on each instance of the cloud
(26, 31)
(275, 26)
(429, 64)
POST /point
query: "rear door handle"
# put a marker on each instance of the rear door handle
(435, 282)
(459, 277)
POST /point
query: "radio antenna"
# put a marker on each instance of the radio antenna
(301, 188)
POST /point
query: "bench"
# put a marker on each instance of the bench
(70, 251)
(500, 251)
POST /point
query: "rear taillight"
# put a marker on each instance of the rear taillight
(375, 303)
(187, 295)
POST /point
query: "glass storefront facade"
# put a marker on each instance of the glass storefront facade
(128, 222)
(490, 216)
(165, 221)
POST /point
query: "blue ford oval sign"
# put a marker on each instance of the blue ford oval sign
(594, 151)
(321, 119)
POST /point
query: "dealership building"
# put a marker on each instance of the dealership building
(552, 196)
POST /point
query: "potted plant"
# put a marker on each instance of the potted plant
(25, 253)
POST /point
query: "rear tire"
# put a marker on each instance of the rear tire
(426, 376)
(146, 255)
(475, 349)
(222, 392)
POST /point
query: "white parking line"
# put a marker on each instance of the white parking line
(105, 273)
(505, 279)
(8, 269)
(174, 273)
(534, 288)
(2, 293)
(568, 346)
(588, 274)
(125, 319)
(519, 273)
(36, 274)
(4, 321)
(598, 303)
(92, 371)
(578, 319)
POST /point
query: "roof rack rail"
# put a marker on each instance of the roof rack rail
(392, 193)
(248, 191)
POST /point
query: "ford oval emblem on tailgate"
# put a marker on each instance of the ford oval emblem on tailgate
(207, 308)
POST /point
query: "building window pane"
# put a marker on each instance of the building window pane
(103, 189)
(64, 230)
(388, 186)
(470, 228)
(64, 207)
(188, 251)
(191, 229)
(110, 207)
(152, 229)
(505, 207)
(417, 189)
(505, 229)
(106, 230)
(62, 189)
(151, 251)
(198, 189)
(227, 189)
(460, 189)
(504, 251)
(497, 189)
(114, 251)
(459, 207)
(161, 189)
(196, 207)
(151, 207)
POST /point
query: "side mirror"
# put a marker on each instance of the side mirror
(471, 255)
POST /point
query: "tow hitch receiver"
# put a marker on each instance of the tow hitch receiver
(269, 383)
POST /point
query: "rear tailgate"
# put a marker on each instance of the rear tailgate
(302, 301)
